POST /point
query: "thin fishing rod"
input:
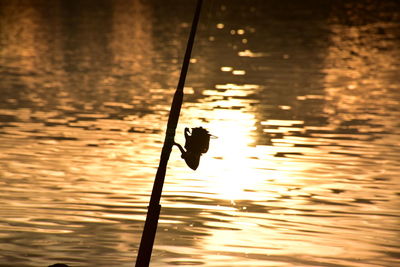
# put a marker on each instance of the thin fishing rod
(153, 212)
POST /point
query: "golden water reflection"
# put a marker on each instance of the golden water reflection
(304, 169)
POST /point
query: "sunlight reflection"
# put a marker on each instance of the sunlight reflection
(228, 167)
(359, 77)
(303, 170)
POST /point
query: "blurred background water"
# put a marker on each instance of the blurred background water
(303, 96)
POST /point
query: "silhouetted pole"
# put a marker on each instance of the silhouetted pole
(153, 212)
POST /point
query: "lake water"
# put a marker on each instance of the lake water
(304, 97)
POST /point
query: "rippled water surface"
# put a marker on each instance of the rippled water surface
(302, 95)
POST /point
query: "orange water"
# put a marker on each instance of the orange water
(302, 95)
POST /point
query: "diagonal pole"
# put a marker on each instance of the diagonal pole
(153, 212)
